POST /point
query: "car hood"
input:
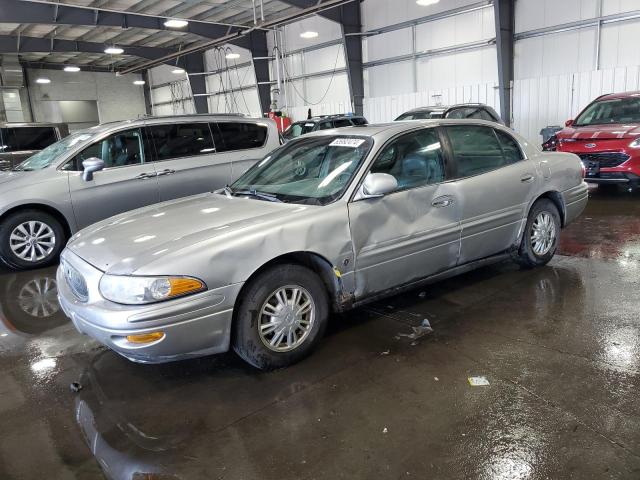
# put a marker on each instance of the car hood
(599, 132)
(127, 242)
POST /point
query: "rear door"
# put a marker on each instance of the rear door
(243, 144)
(127, 182)
(186, 159)
(413, 232)
(496, 183)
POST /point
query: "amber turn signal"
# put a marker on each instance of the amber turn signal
(145, 337)
(182, 286)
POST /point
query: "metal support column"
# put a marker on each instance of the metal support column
(504, 11)
(194, 63)
(349, 15)
(146, 88)
(257, 44)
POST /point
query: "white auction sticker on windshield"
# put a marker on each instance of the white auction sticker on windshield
(347, 142)
(309, 124)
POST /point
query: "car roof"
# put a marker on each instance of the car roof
(328, 117)
(442, 108)
(613, 96)
(385, 130)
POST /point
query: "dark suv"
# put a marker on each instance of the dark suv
(322, 123)
(477, 111)
(19, 141)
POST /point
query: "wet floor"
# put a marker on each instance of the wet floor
(559, 346)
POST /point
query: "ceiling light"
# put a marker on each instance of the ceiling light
(309, 34)
(43, 80)
(426, 3)
(70, 68)
(232, 56)
(138, 82)
(177, 71)
(113, 50)
(175, 23)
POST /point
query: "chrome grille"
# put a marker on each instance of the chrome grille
(605, 159)
(76, 282)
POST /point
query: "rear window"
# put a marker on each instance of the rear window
(239, 136)
(181, 140)
(359, 121)
(16, 139)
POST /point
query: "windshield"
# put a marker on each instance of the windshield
(49, 155)
(297, 129)
(618, 110)
(420, 115)
(313, 171)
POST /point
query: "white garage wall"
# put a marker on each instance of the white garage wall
(558, 74)
(116, 96)
(170, 92)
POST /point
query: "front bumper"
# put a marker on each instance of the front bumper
(193, 326)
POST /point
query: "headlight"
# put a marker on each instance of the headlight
(635, 143)
(140, 290)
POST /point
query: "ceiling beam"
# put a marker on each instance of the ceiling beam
(17, 45)
(27, 11)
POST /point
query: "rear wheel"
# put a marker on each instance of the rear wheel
(281, 317)
(541, 235)
(30, 239)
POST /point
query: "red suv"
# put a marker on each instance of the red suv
(606, 136)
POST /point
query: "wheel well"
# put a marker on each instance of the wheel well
(317, 263)
(43, 208)
(556, 198)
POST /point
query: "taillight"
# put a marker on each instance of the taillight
(584, 170)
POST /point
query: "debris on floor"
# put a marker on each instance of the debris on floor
(436, 379)
(386, 352)
(384, 430)
(75, 387)
(418, 332)
(478, 381)
(422, 294)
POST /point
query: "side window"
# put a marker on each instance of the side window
(343, 122)
(117, 150)
(483, 114)
(510, 148)
(181, 140)
(325, 125)
(475, 148)
(359, 121)
(16, 139)
(241, 136)
(415, 159)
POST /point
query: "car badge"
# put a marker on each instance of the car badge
(590, 145)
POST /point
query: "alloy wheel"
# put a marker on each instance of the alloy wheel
(543, 234)
(32, 241)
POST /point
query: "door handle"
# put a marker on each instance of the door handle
(145, 176)
(166, 171)
(527, 178)
(442, 202)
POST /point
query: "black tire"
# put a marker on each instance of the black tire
(246, 339)
(527, 256)
(9, 257)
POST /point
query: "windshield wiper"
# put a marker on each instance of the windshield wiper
(254, 193)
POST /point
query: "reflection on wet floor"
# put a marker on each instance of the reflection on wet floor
(560, 346)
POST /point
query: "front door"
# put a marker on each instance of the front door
(496, 182)
(413, 232)
(126, 183)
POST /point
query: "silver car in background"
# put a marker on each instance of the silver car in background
(327, 222)
(115, 167)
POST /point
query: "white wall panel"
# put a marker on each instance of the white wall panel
(324, 59)
(554, 54)
(464, 28)
(611, 7)
(385, 45)
(327, 31)
(538, 102)
(380, 13)
(245, 101)
(534, 14)
(386, 108)
(390, 79)
(619, 43)
(461, 68)
(215, 59)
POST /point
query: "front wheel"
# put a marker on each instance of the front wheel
(30, 239)
(541, 235)
(281, 317)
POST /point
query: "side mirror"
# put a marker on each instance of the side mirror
(568, 123)
(91, 165)
(378, 185)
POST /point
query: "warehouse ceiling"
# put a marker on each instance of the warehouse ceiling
(237, 12)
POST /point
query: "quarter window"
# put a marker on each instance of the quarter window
(476, 149)
(343, 122)
(414, 159)
(117, 150)
(510, 147)
(181, 140)
(241, 136)
(17, 139)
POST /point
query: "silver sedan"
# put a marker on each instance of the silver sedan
(325, 223)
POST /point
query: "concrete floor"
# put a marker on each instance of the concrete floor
(559, 345)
